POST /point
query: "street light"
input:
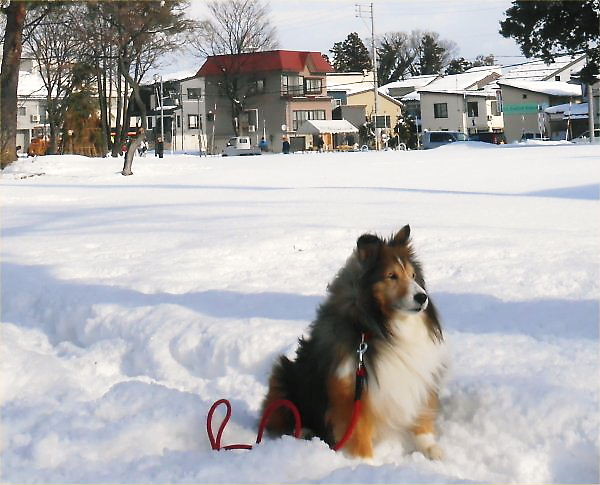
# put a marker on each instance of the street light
(157, 78)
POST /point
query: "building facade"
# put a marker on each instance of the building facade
(276, 90)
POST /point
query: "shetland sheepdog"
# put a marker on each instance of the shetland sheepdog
(379, 295)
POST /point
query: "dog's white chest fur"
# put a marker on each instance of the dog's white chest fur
(403, 372)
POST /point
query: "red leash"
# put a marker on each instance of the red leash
(216, 443)
(361, 376)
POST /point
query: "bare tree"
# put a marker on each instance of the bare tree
(18, 14)
(56, 49)
(403, 55)
(234, 28)
(129, 38)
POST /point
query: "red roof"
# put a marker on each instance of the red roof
(279, 60)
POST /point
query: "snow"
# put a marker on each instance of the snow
(538, 70)
(31, 85)
(569, 110)
(459, 82)
(553, 88)
(131, 304)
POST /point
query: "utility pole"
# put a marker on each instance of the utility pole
(590, 93)
(369, 14)
(158, 77)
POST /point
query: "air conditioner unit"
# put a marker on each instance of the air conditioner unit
(35, 118)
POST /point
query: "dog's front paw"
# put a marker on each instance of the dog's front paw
(426, 444)
(434, 452)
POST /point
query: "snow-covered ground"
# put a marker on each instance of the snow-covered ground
(130, 304)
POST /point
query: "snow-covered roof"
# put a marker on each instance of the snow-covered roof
(351, 82)
(411, 82)
(461, 92)
(538, 70)
(412, 96)
(552, 88)
(31, 85)
(383, 95)
(466, 80)
(569, 110)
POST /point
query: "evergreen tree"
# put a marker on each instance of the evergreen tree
(396, 55)
(351, 55)
(458, 66)
(431, 55)
(547, 29)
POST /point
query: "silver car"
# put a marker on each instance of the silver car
(585, 137)
(434, 139)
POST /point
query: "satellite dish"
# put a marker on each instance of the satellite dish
(283, 127)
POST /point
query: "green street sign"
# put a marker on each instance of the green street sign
(523, 108)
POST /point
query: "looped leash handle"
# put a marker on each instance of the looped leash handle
(215, 443)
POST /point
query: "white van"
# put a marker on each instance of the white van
(434, 139)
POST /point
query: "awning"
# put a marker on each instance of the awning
(315, 127)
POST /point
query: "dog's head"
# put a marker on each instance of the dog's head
(391, 277)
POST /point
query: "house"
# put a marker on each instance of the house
(183, 112)
(524, 104)
(339, 84)
(559, 70)
(388, 108)
(31, 105)
(405, 91)
(276, 92)
(464, 102)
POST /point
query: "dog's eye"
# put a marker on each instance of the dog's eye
(414, 276)
(391, 276)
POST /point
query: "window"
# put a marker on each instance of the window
(178, 118)
(194, 93)
(383, 121)
(524, 96)
(193, 122)
(21, 111)
(440, 110)
(292, 85)
(301, 116)
(494, 108)
(256, 87)
(472, 109)
(150, 122)
(557, 78)
(313, 85)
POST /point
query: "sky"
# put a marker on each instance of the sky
(315, 25)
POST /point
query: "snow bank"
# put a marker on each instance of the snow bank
(130, 304)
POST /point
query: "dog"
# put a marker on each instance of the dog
(378, 297)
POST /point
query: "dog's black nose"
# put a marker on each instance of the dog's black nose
(421, 298)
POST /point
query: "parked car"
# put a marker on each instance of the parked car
(585, 137)
(240, 145)
(489, 137)
(533, 136)
(434, 139)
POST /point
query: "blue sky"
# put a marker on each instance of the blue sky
(316, 25)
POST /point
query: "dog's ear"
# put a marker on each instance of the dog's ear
(402, 237)
(367, 247)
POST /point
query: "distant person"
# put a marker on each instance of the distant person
(320, 143)
(263, 145)
(160, 148)
(285, 146)
(143, 148)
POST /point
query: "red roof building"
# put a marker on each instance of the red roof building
(279, 60)
(266, 94)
